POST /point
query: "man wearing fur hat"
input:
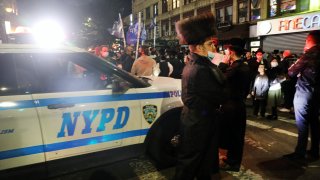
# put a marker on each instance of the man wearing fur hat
(202, 95)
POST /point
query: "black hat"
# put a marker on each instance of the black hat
(260, 50)
(236, 44)
(196, 30)
(275, 51)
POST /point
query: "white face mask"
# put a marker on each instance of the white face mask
(210, 55)
(274, 64)
(104, 54)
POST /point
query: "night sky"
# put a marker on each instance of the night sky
(71, 13)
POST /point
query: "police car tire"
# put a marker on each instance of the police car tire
(158, 141)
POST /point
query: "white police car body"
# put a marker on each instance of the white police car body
(62, 103)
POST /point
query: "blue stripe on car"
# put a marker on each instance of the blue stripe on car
(70, 144)
(86, 99)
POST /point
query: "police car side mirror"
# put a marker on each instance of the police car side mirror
(116, 86)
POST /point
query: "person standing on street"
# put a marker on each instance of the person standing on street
(234, 117)
(202, 95)
(144, 65)
(126, 59)
(260, 92)
(307, 98)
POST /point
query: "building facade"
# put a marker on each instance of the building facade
(235, 19)
(233, 16)
(8, 18)
(286, 25)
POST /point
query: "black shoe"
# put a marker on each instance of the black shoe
(294, 156)
(227, 167)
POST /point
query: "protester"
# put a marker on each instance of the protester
(215, 57)
(234, 117)
(164, 65)
(251, 62)
(104, 51)
(274, 94)
(126, 59)
(260, 92)
(177, 64)
(202, 94)
(259, 60)
(307, 98)
(287, 86)
(144, 65)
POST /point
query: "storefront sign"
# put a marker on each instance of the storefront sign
(299, 23)
(255, 43)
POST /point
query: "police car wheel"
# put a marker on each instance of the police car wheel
(159, 146)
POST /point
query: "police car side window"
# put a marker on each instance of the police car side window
(59, 74)
(17, 75)
(8, 79)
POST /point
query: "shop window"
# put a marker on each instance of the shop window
(255, 10)
(243, 12)
(175, 4)
(164, 6)
(224, 14)
(148, 13)
(228, 16)
(220, 15)
(188, 1)
(288, 6)
(155, 10)
(304, 5)
(165, 28)
(280, 7)
(273, 8)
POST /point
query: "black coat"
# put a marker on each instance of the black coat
(308, 66)
(238, 79)
(202, 94)
(127, 62)
(202, 84)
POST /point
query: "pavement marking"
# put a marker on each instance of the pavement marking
(258, 125)
(283, 119)
(267, 127)
(285, 132)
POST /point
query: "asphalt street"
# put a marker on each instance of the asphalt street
(266, 142)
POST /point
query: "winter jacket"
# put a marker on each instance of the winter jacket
(261, 86)
(143, 66)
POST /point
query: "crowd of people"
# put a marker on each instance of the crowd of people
(166, 62)
(216, 85)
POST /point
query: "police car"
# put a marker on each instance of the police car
(63, 109)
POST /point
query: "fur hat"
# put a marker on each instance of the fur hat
(196, 30)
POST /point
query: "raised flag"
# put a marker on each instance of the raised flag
(117, 29)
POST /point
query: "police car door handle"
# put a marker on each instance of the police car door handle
(60, 106)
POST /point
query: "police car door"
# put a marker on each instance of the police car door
(20, 134)
(78, 108)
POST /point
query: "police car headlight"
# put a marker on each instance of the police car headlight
(7, 104)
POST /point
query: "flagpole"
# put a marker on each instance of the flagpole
(138, 36)
(144, 28)
(124, 38)
(154, 32)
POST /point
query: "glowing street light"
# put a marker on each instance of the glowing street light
(48, 33)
